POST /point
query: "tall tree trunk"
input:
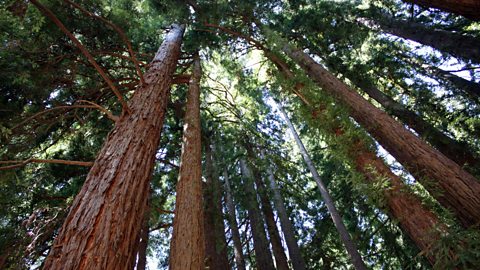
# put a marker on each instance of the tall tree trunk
(467, 8)
(287, 227)
(281, 262)
(106, 216)
(219, 257)
(187, 248)
(454, 150)
(417, 221)
(232, 219)
(337, 219)
(263, 256)
(460, 190)
(458, 45)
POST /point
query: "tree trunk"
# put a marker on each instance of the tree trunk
(218, 257)
(454, 150)
(232, 219)
(187, 248)
(458, 45)
(460, 190)
(105, 219)
(287, 227)
(263, 256)
(419, 226)
(337, 219)
(467, 8)
(281, 262)
(143, 246)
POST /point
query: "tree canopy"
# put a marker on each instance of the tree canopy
(398, 150)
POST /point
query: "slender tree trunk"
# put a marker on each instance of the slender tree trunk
(187, 248)
(467, 8)
(210, 252)
(105, 219)
(219, 257)
(458, 45)
(143, 245)
(460, 190)
(287, 227)
(337, 219)
(263, 256)
(232, 219)
(454, 150)
(281, 262)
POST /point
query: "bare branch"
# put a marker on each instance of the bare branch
(21, 163)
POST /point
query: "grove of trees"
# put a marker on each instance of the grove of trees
(269, 134)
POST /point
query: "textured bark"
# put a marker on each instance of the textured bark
(263, 256)
(217, 257)
(337, 219)
(105, 219)
(187, 248)
(460, 190)
(458, 45)
(273, 233)
(451, 148)
(467, 8)
(232, 219)
(287, 227)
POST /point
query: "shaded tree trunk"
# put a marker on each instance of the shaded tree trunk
(218, 257)
(287, 227)
(460, 190)
(232, 219)
(187, 248)
(281, 262)
(106, 216)
(263, 256)
(458, 45)
(467, 8)
(143, 245)
(337, 219)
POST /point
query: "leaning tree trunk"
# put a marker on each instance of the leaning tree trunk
(467, 8)
(460, 191)
(458, 45)
(281, 262)
(415, 219)
(454, 150)
(106, 216)
(263, 256)
(287, 227)
(187, 250)
(337, 219)
(232, 220)
(218, 257)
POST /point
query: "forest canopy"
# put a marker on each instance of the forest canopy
(271, 134)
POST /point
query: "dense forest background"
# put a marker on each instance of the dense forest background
(302, 134)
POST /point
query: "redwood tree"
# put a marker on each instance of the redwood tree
(187, 249)
(106, 217)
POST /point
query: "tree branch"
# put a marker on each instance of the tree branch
(119, 31)
(47, 12)
(21, 163)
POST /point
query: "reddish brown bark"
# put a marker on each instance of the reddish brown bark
(460, 191)
(187, 248)
(105, 219)
(467, 8)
